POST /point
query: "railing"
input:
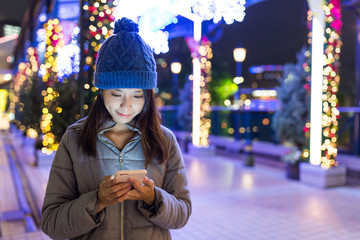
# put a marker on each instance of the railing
(258, 120)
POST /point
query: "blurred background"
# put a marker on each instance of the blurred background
(234, 82)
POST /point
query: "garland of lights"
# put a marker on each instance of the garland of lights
(3, 100)
(15, 87)
(54, 41)
(206, 54)
(101, 24)
(26, 70)
(331, 80)
(32, 70)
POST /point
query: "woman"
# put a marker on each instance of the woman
(122, 132)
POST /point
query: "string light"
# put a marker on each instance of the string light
(153, 15)
(25, 73)
(54, 42)
(101, 27)
(205, 53)
(331, 80)
(14, 93)
(69, 56)
(3, 100)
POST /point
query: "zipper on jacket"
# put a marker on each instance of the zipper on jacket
(122, 221)
(121, 159)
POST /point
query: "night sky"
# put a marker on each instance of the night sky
(273, 32)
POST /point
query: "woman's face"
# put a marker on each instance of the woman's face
(124, 104)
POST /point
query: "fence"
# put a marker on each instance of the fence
(256, 123)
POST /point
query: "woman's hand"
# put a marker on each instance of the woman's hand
(111, 192)
(144, 192)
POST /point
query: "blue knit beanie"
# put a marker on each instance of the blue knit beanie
(125, 60)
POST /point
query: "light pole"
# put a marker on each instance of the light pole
(175, 69)
(239, 57)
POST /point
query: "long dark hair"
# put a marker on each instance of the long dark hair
(153, 140)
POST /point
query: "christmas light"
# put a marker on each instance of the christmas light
(101, 27)
(205, 52)
(54, 42)
(154, 15)
(330, 83)
(69, 56)
(3, 100)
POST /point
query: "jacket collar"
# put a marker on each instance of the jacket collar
(109, 123)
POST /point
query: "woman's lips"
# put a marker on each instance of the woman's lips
(124, 115)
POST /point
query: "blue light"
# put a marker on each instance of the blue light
(265, 68)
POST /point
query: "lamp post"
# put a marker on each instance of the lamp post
(239, 57)
(175, 69)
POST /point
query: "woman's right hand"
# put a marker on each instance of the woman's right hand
(111, 192)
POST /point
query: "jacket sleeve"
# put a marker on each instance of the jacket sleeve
(66, 213)
(172, 207)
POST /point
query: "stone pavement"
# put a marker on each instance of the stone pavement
(14, 215)
(229, 201)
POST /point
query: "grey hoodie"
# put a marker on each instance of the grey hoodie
(70, 204)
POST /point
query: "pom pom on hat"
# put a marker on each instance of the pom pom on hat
(125, 60)
(126, 25)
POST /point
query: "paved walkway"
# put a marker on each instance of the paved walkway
(229, 201)
(234, 202)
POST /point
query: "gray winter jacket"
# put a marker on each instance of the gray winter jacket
(70, 204)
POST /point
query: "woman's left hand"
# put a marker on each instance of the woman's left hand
(144, 192)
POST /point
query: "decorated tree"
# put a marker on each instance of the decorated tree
(98, 24)
(32, 103)
(290, 118)
(64, 109)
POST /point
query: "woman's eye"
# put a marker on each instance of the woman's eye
(138, 96)
(116, 95)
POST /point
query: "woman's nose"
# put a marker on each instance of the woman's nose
(126, 103)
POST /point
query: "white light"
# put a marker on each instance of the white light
(239, 54)
(264, 93)
(229, 10)
(316, 91)
(42, 70)
(7, 77)
(69, 57)
(227, 102)
(10, 30)
(197, 30)
(42, 17)
(76, 30)
(155, 15)
(196, 102)
(175, 67)
(238, 80)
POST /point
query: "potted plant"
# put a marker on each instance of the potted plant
(292, 159)
(290, 118)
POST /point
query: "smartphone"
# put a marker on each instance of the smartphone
(124, 175)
